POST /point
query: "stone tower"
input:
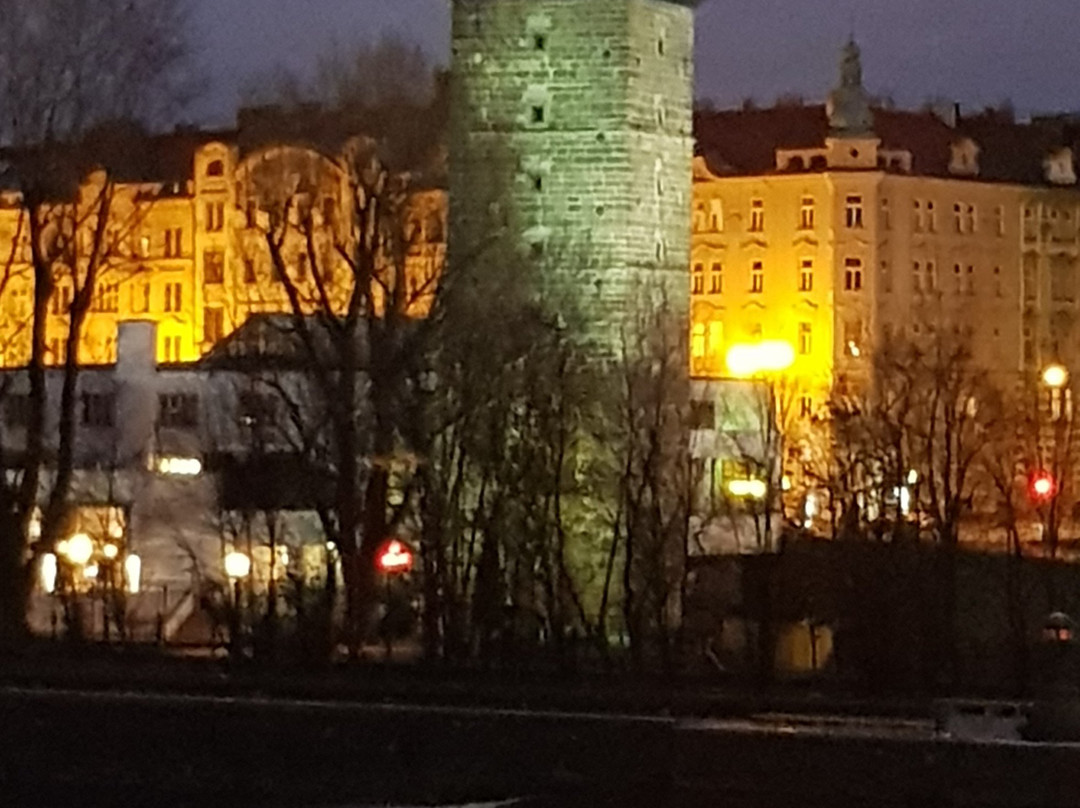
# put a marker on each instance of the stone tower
(572, 146)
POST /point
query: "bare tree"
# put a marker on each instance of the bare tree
(68, 68)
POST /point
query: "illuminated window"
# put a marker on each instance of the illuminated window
(853, 274)
(853, 338)
(106, 298)
(806, 214)
(716, 279)
(853, 212)
(806, 339)
(757, 216)
(806, 406)
(700, 218)
(757, 277)
(56, 351)
(697, 341)
(806, 275)
(698, 279)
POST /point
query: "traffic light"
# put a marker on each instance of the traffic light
(1042, 487)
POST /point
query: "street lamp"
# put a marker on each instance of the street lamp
(237, 568)
(394, 559)
(79, 549)
(1055, 376)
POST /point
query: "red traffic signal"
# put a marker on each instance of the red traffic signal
(1042, 487)
(394, 557)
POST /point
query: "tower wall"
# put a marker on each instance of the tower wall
(572, 142)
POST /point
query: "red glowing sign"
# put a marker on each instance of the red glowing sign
(395, 557)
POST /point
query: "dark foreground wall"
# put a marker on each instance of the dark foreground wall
(72, 749)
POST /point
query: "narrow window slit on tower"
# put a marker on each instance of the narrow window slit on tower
(538, 114)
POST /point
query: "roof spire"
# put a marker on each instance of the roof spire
(849, 104)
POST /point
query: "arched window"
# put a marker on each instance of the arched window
(215, 169)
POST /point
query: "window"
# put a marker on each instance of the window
(174, 242)
(178, 410)
(853, 212)
(931, 276)
(16, 410)
(853, 338)
(140, 297)
(699, 220)
(57, 351)
(251, 213)
(757, 216)
(538, 114)
(697, 341)
(757, 277)
(174, 297)
(958, 218)
(61, 299)
(806, 275)
(702, 415)
(916, 277)
(213, 325)
(971, 219)
(144, 246)
(215, 169)
(215, 217)
(301, 267)
(806, 339)
(106, 298)
(716, 279)
(999, 219)
(213, 266)
(958, 277)
(539, 42)
(98, 409)
(806, 406)
(249, 271)
(698, 282)
(931, 217)
(886, 215)
(999, 289)
(716, 215)
(170, 348)
(853, 271)
(806, 214)
(917, 220)
(969, 280)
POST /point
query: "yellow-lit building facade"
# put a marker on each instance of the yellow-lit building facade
(187, 250)
(836, 228)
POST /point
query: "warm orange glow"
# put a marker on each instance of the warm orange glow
(395, 557)
(1043, 486)
(763, 357)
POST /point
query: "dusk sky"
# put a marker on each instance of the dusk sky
(974, 51)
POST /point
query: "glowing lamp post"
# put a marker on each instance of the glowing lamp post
(237, 568)
(394, 559)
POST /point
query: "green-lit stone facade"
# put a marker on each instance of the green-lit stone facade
(572, 140)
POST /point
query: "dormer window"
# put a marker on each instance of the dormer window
(965, 158)
(1060, 167)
